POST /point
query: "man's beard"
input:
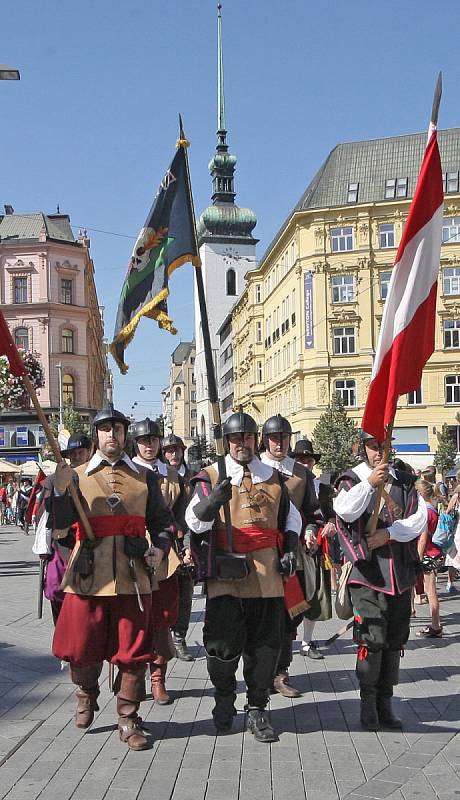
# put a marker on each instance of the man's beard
(244, 456)
(111, 450)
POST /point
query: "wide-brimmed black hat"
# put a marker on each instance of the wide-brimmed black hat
(305, 448)
(75, 441)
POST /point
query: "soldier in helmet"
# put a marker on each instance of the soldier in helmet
(147, 437)
(244, 616)
(276, 436)
(382, 573)
(173, 450)
(107, 609)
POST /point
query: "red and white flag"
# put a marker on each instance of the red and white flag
(406, 338)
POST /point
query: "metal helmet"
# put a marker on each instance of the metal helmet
(146, 427)
(110, 414)
(239, 423)
(171, 441)
(276, 424)
(363, 435)
(75, 441)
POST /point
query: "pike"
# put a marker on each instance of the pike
(41, 584)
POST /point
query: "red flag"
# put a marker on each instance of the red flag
(9, 349)
(32, 497)
(406, 339)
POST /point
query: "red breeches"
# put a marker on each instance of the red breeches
(165, 603)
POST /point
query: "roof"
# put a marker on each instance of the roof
(29, 227)
(370, 164)
(182, 352)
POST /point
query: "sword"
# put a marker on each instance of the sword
(132, 569)
(41, 582)
(340, 632)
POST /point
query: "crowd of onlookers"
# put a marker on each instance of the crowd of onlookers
(14, 499)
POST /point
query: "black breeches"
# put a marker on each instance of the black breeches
(381, 621)
(185, 581)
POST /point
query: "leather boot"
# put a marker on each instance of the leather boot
(157, 681)
(260, 724)
(368, 671)
(181, 649)
(86, 678)
(132, 689)
(222, 675)
(282, 686)
(389, 677)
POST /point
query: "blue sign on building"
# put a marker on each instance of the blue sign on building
(308, 303)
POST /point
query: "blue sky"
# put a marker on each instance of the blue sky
(93, 122)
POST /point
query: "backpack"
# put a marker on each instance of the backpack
(444, 535)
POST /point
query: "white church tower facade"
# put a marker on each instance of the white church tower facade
(227, 250)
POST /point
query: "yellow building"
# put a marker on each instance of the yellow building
(307, 324)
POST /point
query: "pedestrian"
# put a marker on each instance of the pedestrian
(276, 437)
(107, 609)
(25, 489)
(173, 450)
(453, 556)
(147, 436)
(243, 617)
(432, 559)
(383, 570)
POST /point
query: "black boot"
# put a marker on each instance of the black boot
(259, 723)
(389, 677)
(368, 671)
(181, 649)
(222, 675)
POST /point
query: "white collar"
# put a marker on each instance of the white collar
(97, 458)
(155, 466)
(286, 466)
(363, 470)
(260, 472)
(181, 470)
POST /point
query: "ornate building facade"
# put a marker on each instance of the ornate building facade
(307, 323)
(179, 398)
(49, 299)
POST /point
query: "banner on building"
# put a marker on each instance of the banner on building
(308, 303)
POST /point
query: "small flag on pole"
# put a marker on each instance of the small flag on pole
(9, 349)
(166, 241)
(407, 333)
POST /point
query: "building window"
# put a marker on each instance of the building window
(66, 291)
(192, 359)
(21, 338)
(450, 182)
(258, 332)
(193, 378)
(395, 187)
(193, 432)
(67, 340)
(20, 290)
(177, 394)
(344, 341)
(451, 229)
(415, 398)
(387, 235)
(193, 413)
(22, 436)
(341, 239)
(452, 388)
(454, 432)
(343, 289)
(352, 194)
(401, 187)
(390, 188)
(260, 374)
(231, 282)
(451, 334)
(258, 293)
(384, 278)
(346, 390)
(451, 280)
(193, 397)
(68, 390)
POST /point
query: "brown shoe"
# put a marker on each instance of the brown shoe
(86, 678)
(282, 686)
(132, 688)
(130, 730)
(157, 682)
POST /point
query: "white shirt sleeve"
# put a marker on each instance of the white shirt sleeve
(404, 530)
(195, 524)
(350, 505)
(294, 520)
(42, 542)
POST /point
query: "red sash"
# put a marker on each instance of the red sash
(120, 525)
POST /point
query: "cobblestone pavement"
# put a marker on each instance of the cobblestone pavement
(322, 754)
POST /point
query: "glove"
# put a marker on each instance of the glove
(208, 507)
(288, 562)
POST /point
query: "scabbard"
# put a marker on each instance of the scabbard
(41, 583)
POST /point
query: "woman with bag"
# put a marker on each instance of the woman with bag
(432, 559)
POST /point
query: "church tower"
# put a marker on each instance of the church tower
(226, 245)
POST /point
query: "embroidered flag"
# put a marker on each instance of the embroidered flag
(166, 241)
(406, 339)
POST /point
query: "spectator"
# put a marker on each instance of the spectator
(453, 556)
(432, 559)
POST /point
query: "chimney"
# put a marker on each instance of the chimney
(8, 210)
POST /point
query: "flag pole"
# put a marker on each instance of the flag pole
(389, 429)
(210, 372)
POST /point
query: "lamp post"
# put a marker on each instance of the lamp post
(61, 399)
(9, 73)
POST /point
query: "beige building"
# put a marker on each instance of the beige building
(179, 398)
(308, 321)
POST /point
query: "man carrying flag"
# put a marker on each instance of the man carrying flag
(379, 515)
(166, 241)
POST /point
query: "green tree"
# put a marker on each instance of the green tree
(444, 458)
(74, 422)
(335, 437)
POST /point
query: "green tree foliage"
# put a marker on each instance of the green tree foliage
(74, 422)
(335, 437)
(445, 455)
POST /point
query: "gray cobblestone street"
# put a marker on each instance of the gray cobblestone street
(322, 753)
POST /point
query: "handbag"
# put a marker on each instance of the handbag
(343, 604)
